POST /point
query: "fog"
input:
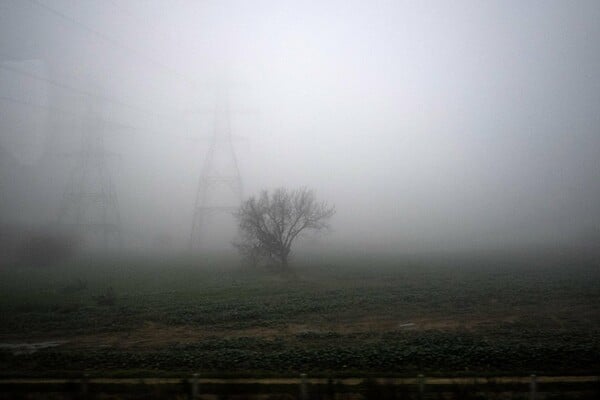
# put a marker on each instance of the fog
(431, 126)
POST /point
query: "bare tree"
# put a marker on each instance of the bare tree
(270, 223)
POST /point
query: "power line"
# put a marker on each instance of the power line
(73, 89)
(112, 41)
(114, 124)
(83, 92)
(33, 105)
(78, 115)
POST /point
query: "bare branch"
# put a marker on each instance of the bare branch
(270, 223)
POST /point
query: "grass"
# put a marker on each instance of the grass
(446, 314)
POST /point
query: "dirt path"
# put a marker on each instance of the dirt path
(154, 335)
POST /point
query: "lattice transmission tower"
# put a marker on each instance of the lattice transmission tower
(220, 185)
(89, 206)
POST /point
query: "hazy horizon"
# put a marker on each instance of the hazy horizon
(430, 126)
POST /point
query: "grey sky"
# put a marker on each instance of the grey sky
(430, 125)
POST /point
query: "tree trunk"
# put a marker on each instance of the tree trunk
(284, 261)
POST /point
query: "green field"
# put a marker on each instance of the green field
(485, 314)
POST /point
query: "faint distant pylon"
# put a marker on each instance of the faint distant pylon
(89, 206)
(220, 188)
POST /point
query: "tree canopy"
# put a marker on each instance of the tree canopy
(271, 222)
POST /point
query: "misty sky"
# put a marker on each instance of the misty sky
(430, 125)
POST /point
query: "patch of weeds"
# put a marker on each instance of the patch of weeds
(107, 298)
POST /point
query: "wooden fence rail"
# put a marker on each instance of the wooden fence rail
(306, 388)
